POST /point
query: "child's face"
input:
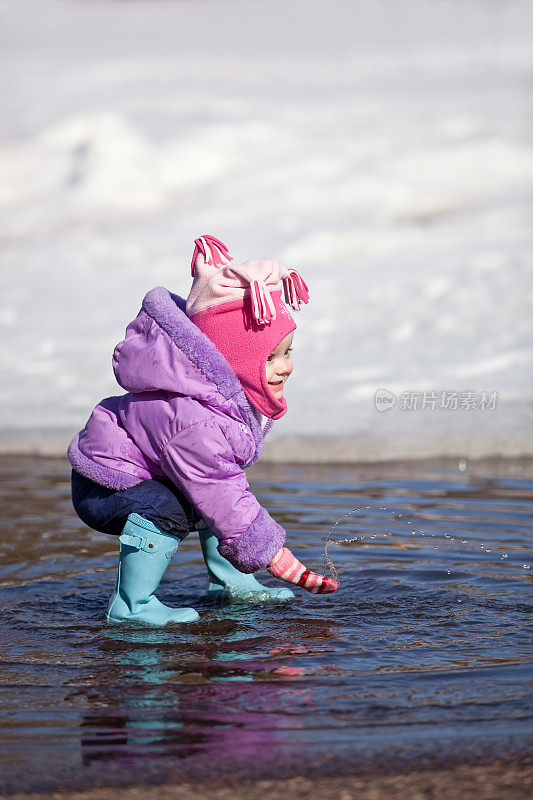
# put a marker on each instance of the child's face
(279, 366)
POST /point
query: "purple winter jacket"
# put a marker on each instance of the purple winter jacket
(185, 418)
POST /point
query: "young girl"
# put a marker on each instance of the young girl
(168, 457)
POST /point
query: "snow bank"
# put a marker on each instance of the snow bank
(381, 148)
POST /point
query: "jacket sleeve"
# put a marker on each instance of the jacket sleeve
(201, 462)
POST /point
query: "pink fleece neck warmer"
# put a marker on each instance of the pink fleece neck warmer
(240, 309)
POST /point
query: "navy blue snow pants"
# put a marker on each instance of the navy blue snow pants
(161, 502)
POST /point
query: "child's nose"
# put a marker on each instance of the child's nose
(284, 367)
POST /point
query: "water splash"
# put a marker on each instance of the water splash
(329, 565)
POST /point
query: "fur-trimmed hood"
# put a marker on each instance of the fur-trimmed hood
(186, 362)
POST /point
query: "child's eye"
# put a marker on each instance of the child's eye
(287, 352)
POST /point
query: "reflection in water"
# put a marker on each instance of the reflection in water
(175, 713)
(422, 653)
(171, 712)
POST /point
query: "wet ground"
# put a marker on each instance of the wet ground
(421, 659)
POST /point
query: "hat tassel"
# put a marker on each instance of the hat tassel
(296, 290)
(215, 252)
(262, 304)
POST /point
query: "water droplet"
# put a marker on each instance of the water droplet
(459, 601)
(448, 572)
(526, 566)
(505, 555)
(464, 541)
(488, 550)
(413, 531)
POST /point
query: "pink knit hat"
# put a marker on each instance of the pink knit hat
(240, 309)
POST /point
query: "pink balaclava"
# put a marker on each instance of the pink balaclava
(240, 309)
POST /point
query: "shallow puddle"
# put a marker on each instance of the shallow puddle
(423, 653)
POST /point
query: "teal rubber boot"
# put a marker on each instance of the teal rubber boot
(226, 582)
(145, 553)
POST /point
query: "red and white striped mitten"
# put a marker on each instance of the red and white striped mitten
(289, 569)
